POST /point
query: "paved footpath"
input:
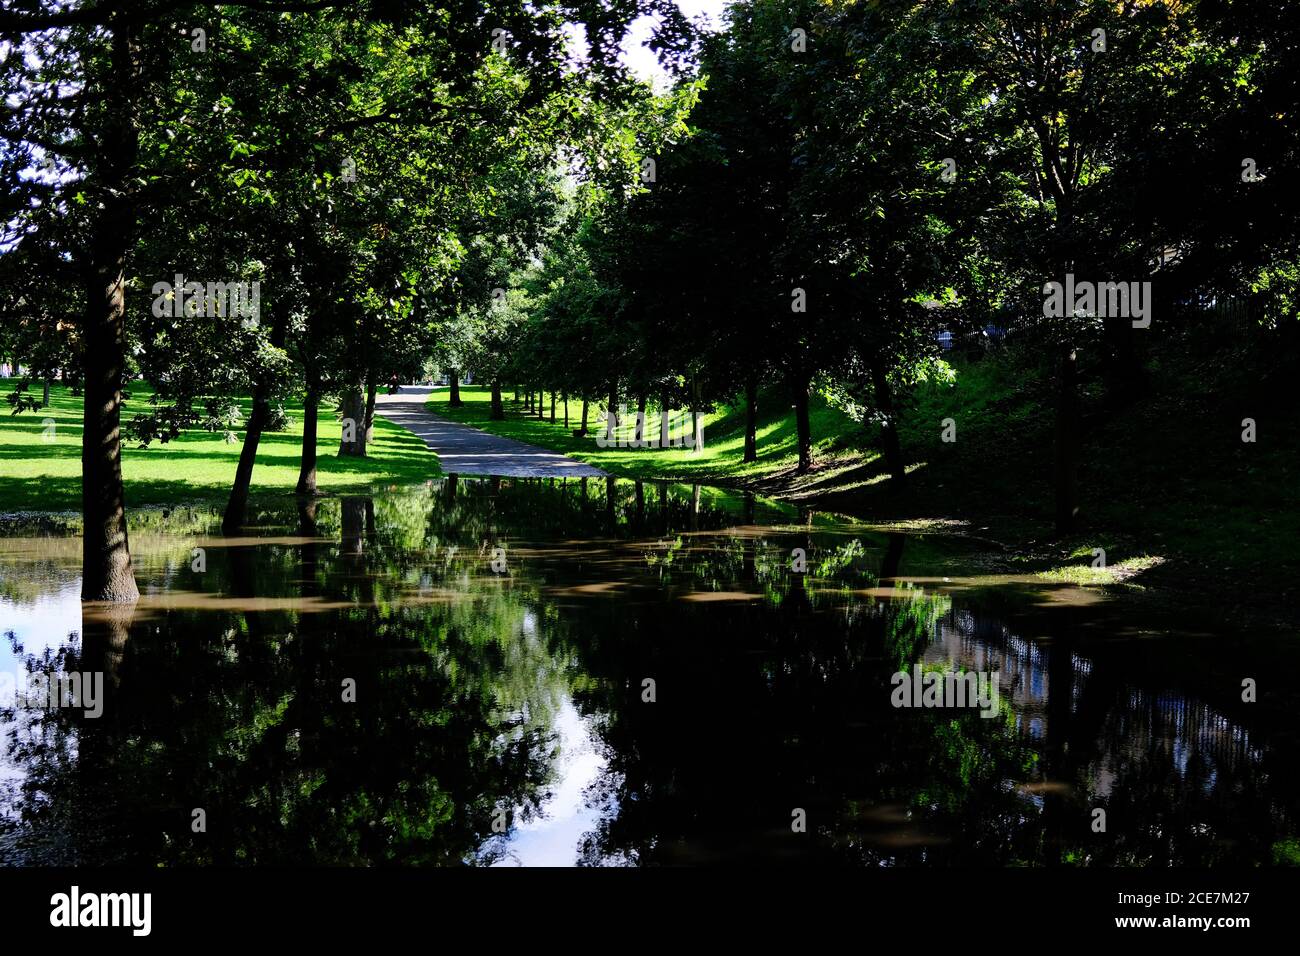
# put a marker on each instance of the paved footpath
(463, 450)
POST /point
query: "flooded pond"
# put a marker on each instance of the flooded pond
(602, 672)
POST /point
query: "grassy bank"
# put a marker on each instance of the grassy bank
(40, 463)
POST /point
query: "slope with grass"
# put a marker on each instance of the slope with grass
(40, 459)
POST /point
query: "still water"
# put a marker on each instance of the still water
(600, 672)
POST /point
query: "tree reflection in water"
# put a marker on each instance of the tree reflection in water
(482, 694)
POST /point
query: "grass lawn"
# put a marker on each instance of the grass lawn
(40, 468)
(724, 437)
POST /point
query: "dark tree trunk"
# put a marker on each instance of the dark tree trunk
(368, 433)
(802, 425)
(498, 412)
(354, 415)
(889, 443)
(893, 559)
(45, 397)
(453, 383)
(640, 419)
(1067, 442)
(354, 522)
(552, 408)
(665, 424)
(582, 429)
(611, 419)
(107, 574)
(540, 405)
(611, 501)
(237, 506)
(564, 400)
(310, 415)
(751, 420)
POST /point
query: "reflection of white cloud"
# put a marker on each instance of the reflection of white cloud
(552, 837)
(44, 623)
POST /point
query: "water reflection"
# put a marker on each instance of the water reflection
(364, 682)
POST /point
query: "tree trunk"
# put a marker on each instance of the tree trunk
(368, 433)
(803, 426)
(665, 424)
(890, 446)
(751, 420)
(453, 383)
(310, 414)
(639, 436)
(582, 429)
(552, 408)
(354, 416)
(237, 506)
(564, 400)
(107, 574)
(498, 412)
(45, 397)
(1067, 443)
(611, 419)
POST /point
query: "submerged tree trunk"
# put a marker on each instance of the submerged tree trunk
(453, 383)
(1067, 442)
(498, 412)
(107, 574)
(802, 425)
(893, 451)
(751, 420)
(310, 415)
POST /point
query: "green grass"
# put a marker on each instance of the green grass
(40, 469)
(720, 460)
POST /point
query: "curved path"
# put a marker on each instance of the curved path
(463, 450)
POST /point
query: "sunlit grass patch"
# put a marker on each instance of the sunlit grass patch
(1086, 574)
